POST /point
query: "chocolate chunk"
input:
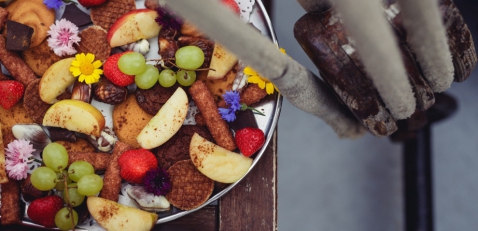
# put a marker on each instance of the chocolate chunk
(76, 16)
(61, 134)
(18, 36)
(244, 119)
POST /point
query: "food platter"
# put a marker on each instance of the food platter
(252, 12)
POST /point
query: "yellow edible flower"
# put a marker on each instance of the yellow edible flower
(86, 68)
(262, 82)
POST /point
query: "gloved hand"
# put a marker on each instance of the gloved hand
(385, 59)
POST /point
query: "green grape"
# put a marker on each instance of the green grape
(79, 169)
(186, 78)
(90, 185)
(74, 198)
(189, 57)
(43, 178)
(63, 219)
(148, 78)
(60, 185)
(132, 63)
(55, 156)
(167, 78)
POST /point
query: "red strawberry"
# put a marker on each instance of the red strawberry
(11, 92)
(114, 74)
(249, 140)
(90, 3)
(43, 210)
(135, 163)
(233, 5)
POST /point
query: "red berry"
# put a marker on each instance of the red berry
(90, 3)
(11, 92)
(135, 163)
(233, 5)
(43, 210)
(249, 140)
(114, 74)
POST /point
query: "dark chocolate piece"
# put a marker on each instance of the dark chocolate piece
(61, 134)
(76, 16)
(19, 36)
(243, 119)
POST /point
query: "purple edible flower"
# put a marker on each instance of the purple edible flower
(232, 99)
(157, 182)
(167, 19)
(53, 4)
(227, 114)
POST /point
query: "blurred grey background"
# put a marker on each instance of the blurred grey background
(326, 183)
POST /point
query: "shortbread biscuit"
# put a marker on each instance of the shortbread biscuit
(128, 121)
(218, 87)
(39, 58)
(35, 14)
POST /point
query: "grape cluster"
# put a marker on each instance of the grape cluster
(187, 58)
(78, 181)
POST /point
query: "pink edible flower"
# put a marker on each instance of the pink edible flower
(63, 34)
(17, 154)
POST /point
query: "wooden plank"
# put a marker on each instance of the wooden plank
(252, 204)
(204, 219)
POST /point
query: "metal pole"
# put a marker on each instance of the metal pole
(417, 162)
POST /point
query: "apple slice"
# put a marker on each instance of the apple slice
(133, 26)
(115, 217)
(222, 61)
(56, 79)
(166, 122)
(75, 115)
(216, 162)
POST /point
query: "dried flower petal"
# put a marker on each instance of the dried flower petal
(167, 19)
(17, 155)
(232, 99)
(227, 114)
(63, 34)
(53, 4)
(86, 68)
(157, 182)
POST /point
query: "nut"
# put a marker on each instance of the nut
(107, 92)
(81, 91)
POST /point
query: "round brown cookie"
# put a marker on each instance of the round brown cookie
(33, 104)
(107, 13)
(177, 148)
(39, 58)
(151, 100)
(190, 188)
(35, 14)
(128, 121)
(93, 40)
